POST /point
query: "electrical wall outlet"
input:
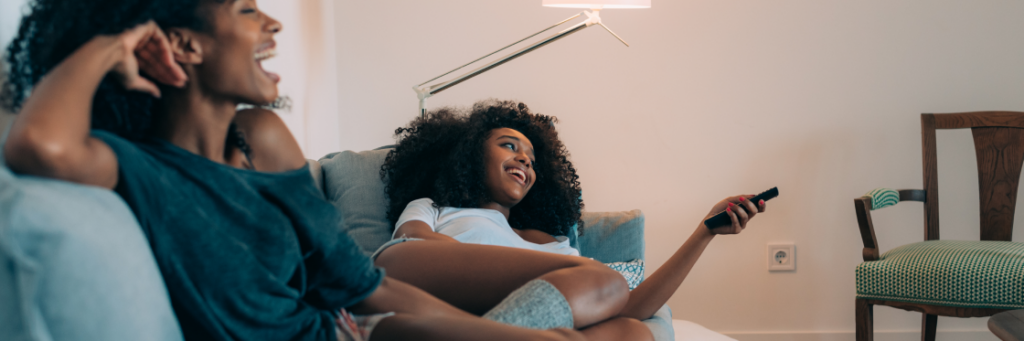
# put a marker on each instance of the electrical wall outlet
(782, 257)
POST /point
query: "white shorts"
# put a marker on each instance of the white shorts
(352, 327)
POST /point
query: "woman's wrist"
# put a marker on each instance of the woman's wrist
(703, 233)
(109, 48)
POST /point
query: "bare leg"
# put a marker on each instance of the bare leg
(619, 328)
(444, 328)
(475, 278)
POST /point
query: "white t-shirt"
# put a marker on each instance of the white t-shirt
(476, 226)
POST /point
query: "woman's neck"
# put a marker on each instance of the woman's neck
(498, 207)
(195, 122)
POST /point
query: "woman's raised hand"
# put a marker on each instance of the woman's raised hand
(740, 210)
(147, 49)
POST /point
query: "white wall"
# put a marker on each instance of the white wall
(820, 98)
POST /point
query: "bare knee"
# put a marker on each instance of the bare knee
(612, 285)
(593, 291)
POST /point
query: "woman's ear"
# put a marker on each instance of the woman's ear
(185, 46)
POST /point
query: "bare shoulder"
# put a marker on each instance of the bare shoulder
(273, 148)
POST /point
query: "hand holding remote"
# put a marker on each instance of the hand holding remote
(741, 207)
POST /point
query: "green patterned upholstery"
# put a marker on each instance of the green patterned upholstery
(977, 274)
(883, 197)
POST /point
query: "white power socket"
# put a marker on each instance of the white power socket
(782, 257)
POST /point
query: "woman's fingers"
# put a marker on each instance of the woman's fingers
(740, 210)
(750, 208)
(143, 85)
(741, 213)
(157, 60)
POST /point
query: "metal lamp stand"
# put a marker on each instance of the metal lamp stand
(593, 18)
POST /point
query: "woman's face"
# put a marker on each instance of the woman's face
(508, 166)
(238, 37)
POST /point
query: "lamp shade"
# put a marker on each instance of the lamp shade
(598, 3)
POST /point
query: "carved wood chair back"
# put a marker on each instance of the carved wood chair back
(999, 143)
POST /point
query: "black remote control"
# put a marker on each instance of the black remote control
(722, 219)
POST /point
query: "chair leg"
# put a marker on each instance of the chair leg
(928, 324)
(865, 321)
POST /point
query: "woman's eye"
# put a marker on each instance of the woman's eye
(509, 145)
(248, 11)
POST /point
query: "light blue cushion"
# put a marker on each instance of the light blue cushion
(76, 266)
(613, 236)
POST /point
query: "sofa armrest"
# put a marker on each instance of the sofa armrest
(76, 266)
(661, 324)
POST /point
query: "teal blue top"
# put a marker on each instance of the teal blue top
(246, 255)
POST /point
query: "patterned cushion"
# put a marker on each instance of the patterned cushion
(979, 274)
(632, 270)
(883, 197)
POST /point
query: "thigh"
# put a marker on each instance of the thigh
(471, 277)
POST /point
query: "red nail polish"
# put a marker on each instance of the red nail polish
(762, 202)
(728, 209)
(741, 199)
(730, 204)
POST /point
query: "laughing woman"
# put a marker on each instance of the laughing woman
(244, 241)
(493, 194)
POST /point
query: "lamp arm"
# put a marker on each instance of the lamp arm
(424, 92)
(502, 49)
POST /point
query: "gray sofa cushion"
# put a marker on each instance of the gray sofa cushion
(352, 183)
(74, 265)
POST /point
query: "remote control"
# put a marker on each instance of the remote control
(722, 218)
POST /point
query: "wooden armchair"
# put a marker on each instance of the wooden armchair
(950, 278)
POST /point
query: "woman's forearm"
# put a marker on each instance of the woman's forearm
(55, 119)
(650, 295)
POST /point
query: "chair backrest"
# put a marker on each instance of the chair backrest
(999, 143)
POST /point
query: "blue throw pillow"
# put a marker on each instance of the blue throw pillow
(632, 270)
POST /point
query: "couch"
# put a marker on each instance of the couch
(76, 266)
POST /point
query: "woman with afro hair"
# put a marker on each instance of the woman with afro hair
(489, 197)
(140, 96)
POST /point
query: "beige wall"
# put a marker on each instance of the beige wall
(820, 98)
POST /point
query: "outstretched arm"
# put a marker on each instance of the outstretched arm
(650, 295)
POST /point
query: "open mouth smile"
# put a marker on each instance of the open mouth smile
(518, 174)
(266, 51)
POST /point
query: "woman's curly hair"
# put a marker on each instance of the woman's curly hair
(54, 29)
(441, 156)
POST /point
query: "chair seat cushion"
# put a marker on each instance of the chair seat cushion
(977, 274)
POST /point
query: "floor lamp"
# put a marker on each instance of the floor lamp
(424, 91)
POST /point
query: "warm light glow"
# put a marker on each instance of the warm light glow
(598, 3)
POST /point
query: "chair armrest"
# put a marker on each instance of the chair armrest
(865, 204)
